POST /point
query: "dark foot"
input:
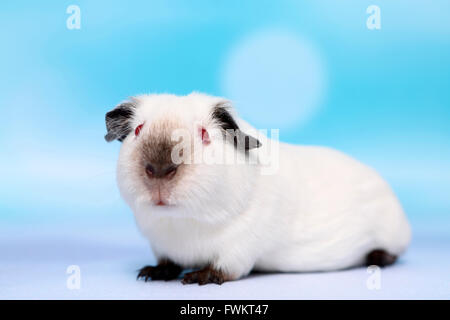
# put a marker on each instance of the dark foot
(165, 270)
(380, 258)
(204, 276)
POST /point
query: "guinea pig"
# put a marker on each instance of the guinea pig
(318, 210)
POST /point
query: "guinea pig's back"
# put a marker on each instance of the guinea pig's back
(343, 211)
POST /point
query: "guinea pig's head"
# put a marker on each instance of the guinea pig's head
(168, 162)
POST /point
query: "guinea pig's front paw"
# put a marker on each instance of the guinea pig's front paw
(165, 270)
(205, 276)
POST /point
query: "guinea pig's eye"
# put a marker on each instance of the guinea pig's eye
(204, 135)
(138, 129)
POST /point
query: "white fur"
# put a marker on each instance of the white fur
(322, 210)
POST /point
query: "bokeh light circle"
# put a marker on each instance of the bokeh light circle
(275, 79)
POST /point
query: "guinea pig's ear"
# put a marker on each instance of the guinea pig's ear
(118, 121)
(223, 117)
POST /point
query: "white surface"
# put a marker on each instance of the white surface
(33, 266)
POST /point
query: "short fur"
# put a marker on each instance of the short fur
(322, 210)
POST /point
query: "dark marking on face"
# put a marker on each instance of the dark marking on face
(156, 153)
(118, 122)
(231, 130)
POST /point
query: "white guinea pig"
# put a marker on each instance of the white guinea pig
(317, 210)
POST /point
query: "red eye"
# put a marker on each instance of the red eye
(205, 135)
(138, 129)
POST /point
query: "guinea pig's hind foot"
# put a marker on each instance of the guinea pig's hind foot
(205, 276)
(165, 270)
(380, 258)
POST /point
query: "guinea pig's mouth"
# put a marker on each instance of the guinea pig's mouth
(159, 197)
(162, 203)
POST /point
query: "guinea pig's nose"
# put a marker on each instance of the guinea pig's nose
(166, 172)
(150, 171)
(170, 171)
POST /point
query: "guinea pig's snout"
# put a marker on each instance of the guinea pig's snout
(167, 172)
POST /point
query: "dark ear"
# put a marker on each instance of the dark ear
(226, 122)
(118, 121)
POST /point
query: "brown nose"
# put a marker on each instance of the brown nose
(159, 173)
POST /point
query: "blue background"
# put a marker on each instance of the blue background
(312, 69)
